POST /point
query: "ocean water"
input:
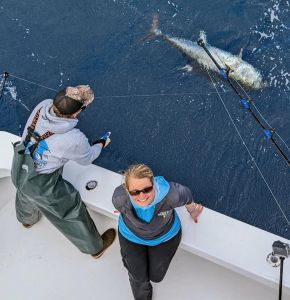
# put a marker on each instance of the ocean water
(159, 114)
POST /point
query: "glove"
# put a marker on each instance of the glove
(104, 140)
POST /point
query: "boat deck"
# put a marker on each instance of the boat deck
(39, 263)
(223, 259)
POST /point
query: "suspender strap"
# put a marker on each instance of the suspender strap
(35, 119)
(46, 135)
(33, 124)
(31, 133)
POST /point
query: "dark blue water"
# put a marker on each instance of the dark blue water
(158, 114)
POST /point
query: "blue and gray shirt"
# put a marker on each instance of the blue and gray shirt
(156, 223)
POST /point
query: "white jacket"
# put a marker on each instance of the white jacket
(67, 142)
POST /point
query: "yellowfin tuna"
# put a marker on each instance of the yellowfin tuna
(240, 70)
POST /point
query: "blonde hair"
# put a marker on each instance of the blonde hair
(137, 171)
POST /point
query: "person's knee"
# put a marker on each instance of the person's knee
(158, 272)
(138, 279)
(157, 277)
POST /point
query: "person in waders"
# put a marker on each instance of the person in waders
(149, 226)
(49, 140)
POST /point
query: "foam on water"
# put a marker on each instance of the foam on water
(272, 33)
(11, 91)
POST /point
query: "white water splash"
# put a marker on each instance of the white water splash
(272, 34)
(272, 13)
(36, 58)
(11, 90)
(61, 80)
(175, 7)
(263, 35)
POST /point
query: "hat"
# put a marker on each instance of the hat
(81, 93)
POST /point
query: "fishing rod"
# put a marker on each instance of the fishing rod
(3, 81)
(247, 103)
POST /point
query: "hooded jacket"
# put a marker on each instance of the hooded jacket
(67, 142)
(157, 222)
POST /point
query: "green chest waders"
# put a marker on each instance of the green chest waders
(55, 198)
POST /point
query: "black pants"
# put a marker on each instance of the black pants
(147, 263)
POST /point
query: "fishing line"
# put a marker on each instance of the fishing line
(247, 103)
(5, 75)
(260, 114)
(152, 95)
(33, 82)
(253, 104)
(248, 150)
(123, 96)
(245, 92)
(276, 133)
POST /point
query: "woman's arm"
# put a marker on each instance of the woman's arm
(181, 195)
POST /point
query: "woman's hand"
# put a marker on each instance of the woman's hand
(194, 210)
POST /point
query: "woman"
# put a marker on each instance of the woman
(149, 227)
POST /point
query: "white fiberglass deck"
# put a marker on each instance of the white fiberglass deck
(39, 263)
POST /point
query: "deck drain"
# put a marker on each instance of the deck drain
(92, 184)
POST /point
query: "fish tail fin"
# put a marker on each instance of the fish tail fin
(154, 31)
(155, 24)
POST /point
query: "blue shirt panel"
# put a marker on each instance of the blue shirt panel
(129, 235)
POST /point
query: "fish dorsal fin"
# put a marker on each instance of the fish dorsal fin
(202, 36)
(241, 53)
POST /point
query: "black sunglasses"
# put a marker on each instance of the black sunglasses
(144, 191)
